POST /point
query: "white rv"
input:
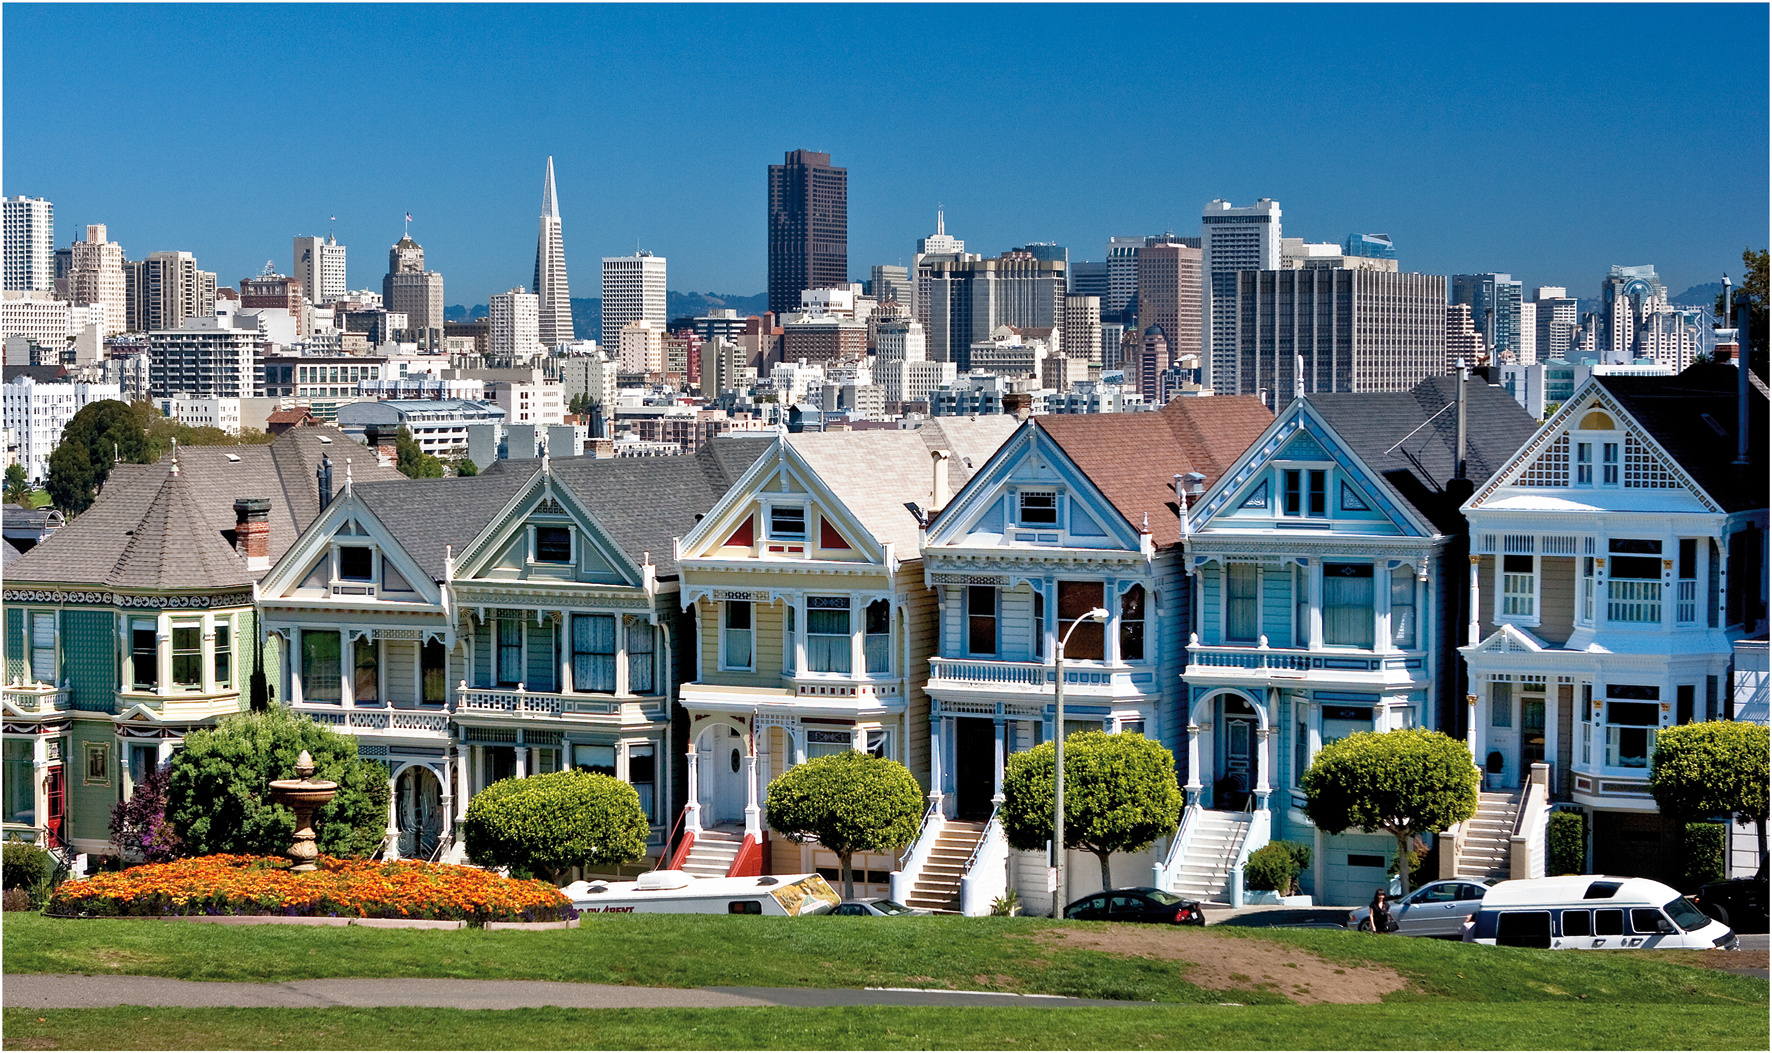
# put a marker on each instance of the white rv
(1589, 912)
(675, 892)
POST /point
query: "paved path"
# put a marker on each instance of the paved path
(63, 991)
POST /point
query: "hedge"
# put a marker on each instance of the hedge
(1565, 842)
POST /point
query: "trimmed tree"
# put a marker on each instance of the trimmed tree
(98, 436)
(1407, 783)
(1717, 767)
(848, 802)
(218, 794)
(1120, 795)
(547, 824)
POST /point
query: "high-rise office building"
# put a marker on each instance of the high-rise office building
(1464, 345)
(165, 289)
(1557, 319)
(278, 292)
(1337, 330)
(890, 283)
(808, 228)
(1082, 328)
(1495, 310)
(1636, 321)
(1089, 278)
(1050, 251)
(939, 247)
(1528, 333)
(967, 300)
(633, 291)
(514, 319)
(29, 228)
(320, 267)
(1169, 294)
(1232, 239)
(550, 270)
(95, 275)
(1122, 278)
(417, 293)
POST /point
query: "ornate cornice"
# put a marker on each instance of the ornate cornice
(102, 598)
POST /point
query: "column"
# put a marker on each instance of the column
(753, 815)
(1473, 735)
(1264, 752)
(479, 774)
(446, 799)
(521, 755)
(392, 844)
(1193, 763)
(1000, 751)
(462, 791)
(1550, 729)
(692, 807)
(937, 761)
(1473, 634)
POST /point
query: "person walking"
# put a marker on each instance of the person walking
(1379, 918)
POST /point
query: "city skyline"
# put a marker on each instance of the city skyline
(1509, 148)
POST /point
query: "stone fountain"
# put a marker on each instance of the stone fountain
(304, 796)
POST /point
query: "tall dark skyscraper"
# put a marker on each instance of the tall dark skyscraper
(808, 227)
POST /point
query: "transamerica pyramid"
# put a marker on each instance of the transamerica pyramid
(554, 301)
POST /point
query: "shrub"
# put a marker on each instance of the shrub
(1008, 905)
(848, 802)
(1565, 843)
(232, 884)
(219, 796)
(25, 866)
(545, 824)
(1703, 854)
(1275, 866)
(15, 899)
(138, 825)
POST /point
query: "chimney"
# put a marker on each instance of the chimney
(939, 489)
(252, 531)
(323, 475)
(1020, 403)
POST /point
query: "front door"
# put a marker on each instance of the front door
(975, 768)
(1238, 781)
(57, 807)
(418, 812)
(1531, 733)
(719, 769)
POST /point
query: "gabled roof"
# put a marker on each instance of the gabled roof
(172, 547)
(424, 515)
(1133, 458)
(1411, 437)
(86, 550)
(1694, 417)
(38, 374)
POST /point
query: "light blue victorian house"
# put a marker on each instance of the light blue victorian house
(1329, 567)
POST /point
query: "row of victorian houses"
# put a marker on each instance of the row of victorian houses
(1552, 594)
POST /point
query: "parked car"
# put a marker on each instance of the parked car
(1137, 904)
(1739, 903)
(875, 908)
(1437, 908)
(1592, 912)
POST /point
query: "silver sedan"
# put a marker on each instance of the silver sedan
(1437, 908)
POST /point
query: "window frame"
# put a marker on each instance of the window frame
(1132, 622)
(638, 628)
(1404, 582)
(726, 631)
(773, 533)
(1516, 591)
(134, 627)
(535, 535)
(875, 644)
(972, 620)
(1022, 507)
(1237, 574)
(1367, 639)
(41, 655)
(840, 650)
(338, 564)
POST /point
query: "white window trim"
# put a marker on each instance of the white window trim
(725, 665)
(1058, 517)
(1501, 595)
(769, 534)
(571, 540)
(374, 579)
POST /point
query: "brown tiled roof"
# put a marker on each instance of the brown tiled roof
(1133, 458)
(289, 416)
(171, 547)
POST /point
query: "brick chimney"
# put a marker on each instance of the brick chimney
(252, 531)
(1019, 403)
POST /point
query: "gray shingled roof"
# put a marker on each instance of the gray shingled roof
(1696, 417)
(86, 550)
(424, 515)
(171, 547)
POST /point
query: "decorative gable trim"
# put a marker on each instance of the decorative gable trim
(541, 497)
(1546, 460)
(740, 517)
(346, 516)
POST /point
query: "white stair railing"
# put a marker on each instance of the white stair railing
(1259, 833)
(987, 875)
(905, 878)
(1526, 855)
(1165, 871)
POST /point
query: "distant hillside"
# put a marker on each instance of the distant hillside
(587, 317)
(679, 305)
(457, 313)
(1699, 296)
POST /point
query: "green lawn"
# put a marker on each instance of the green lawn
(1446, 1026)
(1002, 954)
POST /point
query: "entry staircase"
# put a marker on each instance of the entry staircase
(1485, 849)
(1212, 849)
(937, 886)
(714, 851)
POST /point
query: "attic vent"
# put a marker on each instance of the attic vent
(232, 457)
(325, 440)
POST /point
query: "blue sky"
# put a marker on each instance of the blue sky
(1544, 140)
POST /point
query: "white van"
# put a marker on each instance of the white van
(675, 892)
(1589, 912)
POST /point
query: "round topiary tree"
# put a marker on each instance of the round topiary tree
(848, 802)
(1120, 795)
(1718, 767)
(547, 824)
(218, 794)
(1406, 783)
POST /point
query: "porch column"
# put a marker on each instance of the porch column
(692, 808)
(799, 741)
(462, 792)
(1473, 633)
(1550, 730)
(479, 775)
(521, 754)
(937, 762)
(446, 799)
(391, 846)
(1473, 735)
(1193, 763)
(1264, 742)
(999, 753)
(753, 815)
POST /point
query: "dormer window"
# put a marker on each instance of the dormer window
(356, 563)
(553, 544)
(1039, 508)
(787, 522)
(1305, 492)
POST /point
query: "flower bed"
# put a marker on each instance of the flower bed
(349, 888)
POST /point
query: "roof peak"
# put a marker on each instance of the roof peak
(550, 201)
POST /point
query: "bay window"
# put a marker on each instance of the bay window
(1347, 604)
(877, 638)
(735, 638)
(1076, 599)
(828, 642)
(1519, 587)
(1301, 606)
(643, 776)
(20, 785)
(319, 666)
(598, 759)
(981, 620)
(144, 655)
(187, 657)
(510, 652)
(366, 671)
(224, 654)
(821, 743)
(641, 665)
(593, 652)
(1242, 602)
(1630, 730)
(433, 672)
(1403, 630)
(1132, 624)
(43, 647)
(1633, 591)
(789, 638)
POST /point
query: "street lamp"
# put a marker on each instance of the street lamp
(1098, 615)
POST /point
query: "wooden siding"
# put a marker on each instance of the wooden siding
(1489, 585)
(1556, 598)
(398, 659)
(921, 618)
(1276, 604)
(1211, 606)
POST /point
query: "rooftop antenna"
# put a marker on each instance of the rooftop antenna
(270, 269)
(334, 220)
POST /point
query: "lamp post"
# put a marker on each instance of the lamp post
(1099, 616)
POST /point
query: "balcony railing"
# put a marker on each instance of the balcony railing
(1296, 661)
(1630, 600)
(383, 721)
(1026, 676)
(37, 700)
(518, 702)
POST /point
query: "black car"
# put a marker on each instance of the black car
(1151, 905)
(1739, 903)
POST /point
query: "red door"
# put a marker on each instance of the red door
(56, 790)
